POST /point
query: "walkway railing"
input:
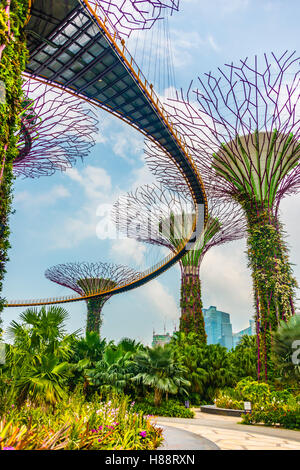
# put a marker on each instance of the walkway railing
(147, 89)
(76, 297)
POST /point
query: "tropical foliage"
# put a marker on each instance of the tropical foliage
(244, 358)
(37, 363)
(273, 281)
(208, 367)
(191, 319)
(78, 425)
(170, 408)
(286, 351)
(159, 371)
(63, 391)
(268, 405)
(117, 367)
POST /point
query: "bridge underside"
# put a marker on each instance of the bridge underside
(68, 47)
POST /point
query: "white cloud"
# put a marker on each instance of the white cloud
(230, 6)
(96, 187)
(213, 43)
(47, 198)
(75, 229)
(159, 297)
(227, 283)
(94, 180)
(142, 176)
(128, 250)
(185, 42)
(127, 142)
(92, 219)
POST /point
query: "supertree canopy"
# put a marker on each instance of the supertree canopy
(242, 127)
(156, 215)
(56, 129)
(88, 278)
(125, 16)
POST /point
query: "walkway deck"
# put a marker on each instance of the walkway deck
(179, 439)
(227, 433)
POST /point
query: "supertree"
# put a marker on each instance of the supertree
(126, 16)
(56, 130)
(89, 278)
(242, 128)
(159, 216)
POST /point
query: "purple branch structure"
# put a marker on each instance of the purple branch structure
(126, 16)
(159, 216)
(241, 127)
(247, 110)
(56, 130)
(88, 278)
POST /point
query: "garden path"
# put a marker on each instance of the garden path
(228, 434)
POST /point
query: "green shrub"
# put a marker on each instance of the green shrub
(259, 394)
(226, 401)
(253, 391)
(271, 408)
(170, 408)
(282, 396)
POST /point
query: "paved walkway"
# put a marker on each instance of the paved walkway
(228, 434)
(179, 439)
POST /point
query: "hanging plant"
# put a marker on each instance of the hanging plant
(192, 319)
(273, 281)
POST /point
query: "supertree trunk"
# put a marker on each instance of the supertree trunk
(91, 278)
(13, 55)
(191, 319)
(243, 134)
(163, 217)
(94, 317)
(273, 282)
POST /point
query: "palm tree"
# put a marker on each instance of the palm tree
(244, 358)
(38, 358)
(42, 380)
(208, 367)
(158, 370)
(286, 351)
(114, 372)
(87, 352)
(40, 328)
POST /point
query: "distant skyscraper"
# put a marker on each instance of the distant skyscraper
(218, 327)
(247, 331)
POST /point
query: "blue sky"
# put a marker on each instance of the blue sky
(56, 217)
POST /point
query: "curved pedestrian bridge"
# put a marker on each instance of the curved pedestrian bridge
(71, 48)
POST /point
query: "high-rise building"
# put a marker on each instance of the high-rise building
(247, 331)
(218, 327)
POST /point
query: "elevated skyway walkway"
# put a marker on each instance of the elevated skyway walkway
(70, 47)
